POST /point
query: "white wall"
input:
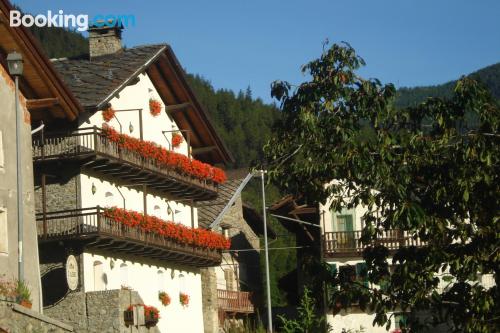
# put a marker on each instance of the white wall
(140, 276)
(353, 320)
(108, 195)
(135, 97)
(144, 278)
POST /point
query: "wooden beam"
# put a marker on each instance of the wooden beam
(35, 104)
(303, 210)
(202, 150)
(176, 107)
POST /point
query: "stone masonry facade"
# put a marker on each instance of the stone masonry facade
(60, 196)
(17, 319)
(98, 312)
(209, 297)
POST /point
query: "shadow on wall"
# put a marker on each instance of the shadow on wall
(54, 286)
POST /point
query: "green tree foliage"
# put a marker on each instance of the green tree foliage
(307, 320)
(60, 42)
(244, 123)
(426, 170)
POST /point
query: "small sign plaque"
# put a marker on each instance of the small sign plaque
(72, 272)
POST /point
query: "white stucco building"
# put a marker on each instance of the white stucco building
(82, 173)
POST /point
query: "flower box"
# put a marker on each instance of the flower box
(151, 316)
(128, 316)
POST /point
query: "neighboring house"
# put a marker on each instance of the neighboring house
(343, 251)
(43, 97)
(103, 195)
(339, 245)
(231, 291)
(335, 240)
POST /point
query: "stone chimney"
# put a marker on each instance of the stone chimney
(104, 40)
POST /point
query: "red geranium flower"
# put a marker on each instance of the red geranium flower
(165, 158)
(108, 114)
(184, 299)
(177, 139)
(176, 232)
(154, 107)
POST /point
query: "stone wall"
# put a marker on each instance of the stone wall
(104, 41)
(17, 319)
(8, 191)
(60, 196)
(242, 237)
(98, 312)
(209, 296)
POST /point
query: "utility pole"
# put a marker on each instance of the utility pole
(266, 248)
(15, 65)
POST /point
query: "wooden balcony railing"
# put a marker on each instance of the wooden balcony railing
(347, 243)
(235, 301)
(94, 151)
(90, 227)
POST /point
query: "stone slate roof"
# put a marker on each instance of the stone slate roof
(209, 210)
(93, 81)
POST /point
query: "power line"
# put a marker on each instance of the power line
(271, 248)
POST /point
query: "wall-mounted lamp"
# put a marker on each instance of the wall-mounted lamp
(15, 63)
(94, 189)
(130, 127)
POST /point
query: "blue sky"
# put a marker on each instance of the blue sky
(240, 43)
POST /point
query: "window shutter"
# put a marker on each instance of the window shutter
(362, 273)
(332, 268)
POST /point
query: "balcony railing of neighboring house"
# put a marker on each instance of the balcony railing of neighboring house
(91, 227)
(235, 301)
(93, 150)
(347, 243)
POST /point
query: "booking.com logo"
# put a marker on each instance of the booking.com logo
(79, 22)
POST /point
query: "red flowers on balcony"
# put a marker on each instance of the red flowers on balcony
(173, 231)
(154, 107)
(166, 158)
(108, 114)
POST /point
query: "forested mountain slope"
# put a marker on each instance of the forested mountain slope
(489, 76)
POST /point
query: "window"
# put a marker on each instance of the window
(400, 320)
(1, 153)
(124, 275)
(347, 273)
(4, 237)
(344, 222)
(229, 277)
(362, 273)
(157, 211)
(332, 268)
(358, 273)
(99, 277)
(161, 280)
(109, 199)
(182, 283)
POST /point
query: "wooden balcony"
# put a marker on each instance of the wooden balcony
(347, 243)
(88, 148)
(235, 301)
(89, 228)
